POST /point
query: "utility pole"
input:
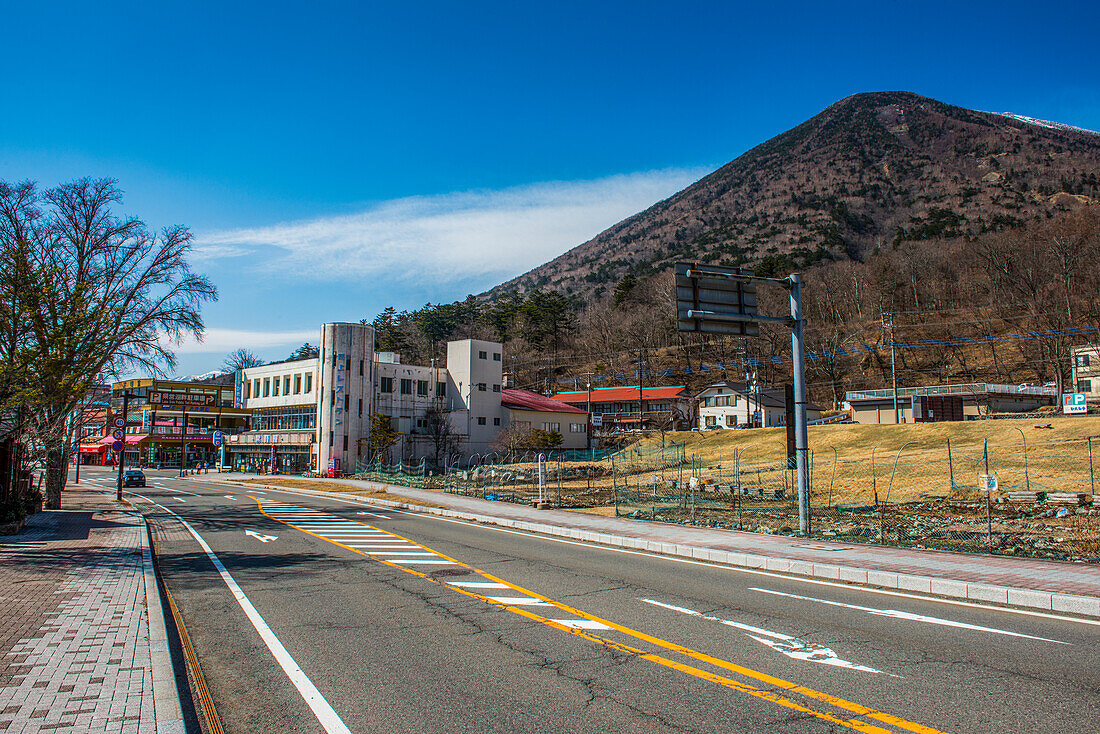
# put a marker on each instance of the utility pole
(801, 437)
(588, 385)
(641, 379)
(888, 323)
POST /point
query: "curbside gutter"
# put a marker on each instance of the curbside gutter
(1047, 601)
(168, 712)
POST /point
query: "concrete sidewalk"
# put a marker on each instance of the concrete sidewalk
(1055, 586)
(74, 632)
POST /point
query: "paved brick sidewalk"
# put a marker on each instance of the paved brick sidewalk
(74, 641)
(1025, 574)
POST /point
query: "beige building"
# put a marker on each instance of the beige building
(524, 409)
(946, 402)
(315, 414)
(1086, 371)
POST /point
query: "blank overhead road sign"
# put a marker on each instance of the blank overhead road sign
(717, 300)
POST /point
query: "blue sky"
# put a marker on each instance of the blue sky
(336, 158)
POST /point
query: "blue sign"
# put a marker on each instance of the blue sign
(1074, 403)
(218, 438)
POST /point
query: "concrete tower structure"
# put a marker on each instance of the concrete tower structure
(345, 394)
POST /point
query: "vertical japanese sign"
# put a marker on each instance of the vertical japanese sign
(338, 393)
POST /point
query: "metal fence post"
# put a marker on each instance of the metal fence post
(950, 468)
(1092, 477)
(989, 514)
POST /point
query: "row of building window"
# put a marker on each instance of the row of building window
(385, 384)
(485, 355)
(719, 401)
(270, 386)
(300, 418)
(731, 420)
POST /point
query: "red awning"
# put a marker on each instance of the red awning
(93, 449)
(132, 439)
(106, 441)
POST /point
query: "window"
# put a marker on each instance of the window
(345, 443)
(275, 387)
(496, 388)
(552, 427)
(331, 438)
(482, 355)
(441, 389)
(724, 401)
(345, 403)
(731, 420)
(334, 398)
(496, 356)
(286, 385)
(496, 421)
(481, 420)
(385, 384)
(1083, 360)
(710, 420)
(267, 386)
(481, 387)
(256, 388)
(360, 407)
(360, 368)
(421, 387)
(247, 390)
(1084, 385)
(406, 386)
(297, 384)
(309, 383)
(576, 428)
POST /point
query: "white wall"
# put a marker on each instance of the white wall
(346, 367)
(269, 373)
(467, 370)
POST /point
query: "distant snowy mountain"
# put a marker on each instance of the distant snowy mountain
(1045, 123)
(198, 378)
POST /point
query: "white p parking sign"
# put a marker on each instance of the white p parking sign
(1074, 403)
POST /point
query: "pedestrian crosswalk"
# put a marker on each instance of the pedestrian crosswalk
(378, 543)
(411, 556)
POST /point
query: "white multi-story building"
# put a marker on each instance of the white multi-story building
(315, 414)
(725, 405)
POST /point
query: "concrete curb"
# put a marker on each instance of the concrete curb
(1047, 601)
(168, 711)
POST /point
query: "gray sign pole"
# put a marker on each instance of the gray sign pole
(801, 438)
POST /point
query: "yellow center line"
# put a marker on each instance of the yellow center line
(841, 703)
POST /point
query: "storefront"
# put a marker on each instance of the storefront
(271, 453)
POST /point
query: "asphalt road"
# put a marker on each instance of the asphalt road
(346, 617)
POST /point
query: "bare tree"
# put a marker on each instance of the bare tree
(107, 297)
(241, 359)
(445, 439)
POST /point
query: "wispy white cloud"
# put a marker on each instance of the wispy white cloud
(227, 340)
(448, 237)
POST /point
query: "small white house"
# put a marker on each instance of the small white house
(735, 405)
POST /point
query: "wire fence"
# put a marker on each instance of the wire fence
(1026, 502)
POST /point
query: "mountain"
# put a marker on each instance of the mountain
(874, 170)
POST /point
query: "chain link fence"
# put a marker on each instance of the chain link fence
(1039, 502)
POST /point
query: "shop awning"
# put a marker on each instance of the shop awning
(94, 448)
(106, 441)
(137, 438)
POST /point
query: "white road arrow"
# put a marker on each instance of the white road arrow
(374, 514)
(792, 647)
(230, 497)
(261, 537)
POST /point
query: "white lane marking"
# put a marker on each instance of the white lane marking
(181, 491)
(179, 499)
(582, 624)
(897, 614)
(261, 537)
(792, 647)
(390, 555)
(751, 571)
(378, 547)
(521, 601)
(407, 561)
(321, 708)
(479, 584)
(230, 497)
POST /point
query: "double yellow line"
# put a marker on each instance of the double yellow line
(770, 680)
